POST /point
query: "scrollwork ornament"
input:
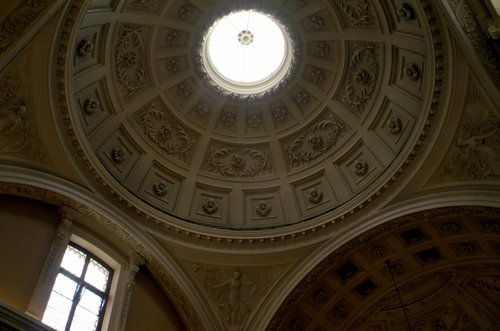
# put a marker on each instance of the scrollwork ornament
(395, 125)
(160, 189)
(263, 209)
(406, 12)
(412, 71)
(315, 142)
(362, 76)
(118, 154)
(210, 206)
(90, 106)
(235, 162)
(84, 48)
(357, 11)
(360, 168)
(130, 66)
(164, 132)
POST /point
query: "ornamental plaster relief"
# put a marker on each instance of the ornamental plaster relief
(357, 13)
(232, 145)
(17, 22)
(235, 292)
(238, 161)
(361, 77)
(482, 45)
(18, 133)
(170, 136)
(322, 137)
(475, 153)
(130, 63)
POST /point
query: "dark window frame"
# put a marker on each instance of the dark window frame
(82, 284)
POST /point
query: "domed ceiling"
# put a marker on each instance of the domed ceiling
(343, 122)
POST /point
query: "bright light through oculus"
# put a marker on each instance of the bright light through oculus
(246, 52)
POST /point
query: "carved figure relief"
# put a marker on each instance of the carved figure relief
(164, 132)
(356, 11)
(362, 76)
(476, 152)
(238, 162)
(234, 291)
(130, 66)
(16, 131)
(315, 142)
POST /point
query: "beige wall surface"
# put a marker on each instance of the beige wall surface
(149, 309)
(26, 231)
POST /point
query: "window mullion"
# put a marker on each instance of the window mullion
(78, 294)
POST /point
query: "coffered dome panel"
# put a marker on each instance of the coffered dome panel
(160, 133)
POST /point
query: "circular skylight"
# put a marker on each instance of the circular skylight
(247, 52)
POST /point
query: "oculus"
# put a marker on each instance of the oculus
(247, 53)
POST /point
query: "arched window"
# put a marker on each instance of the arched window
(80, 292)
